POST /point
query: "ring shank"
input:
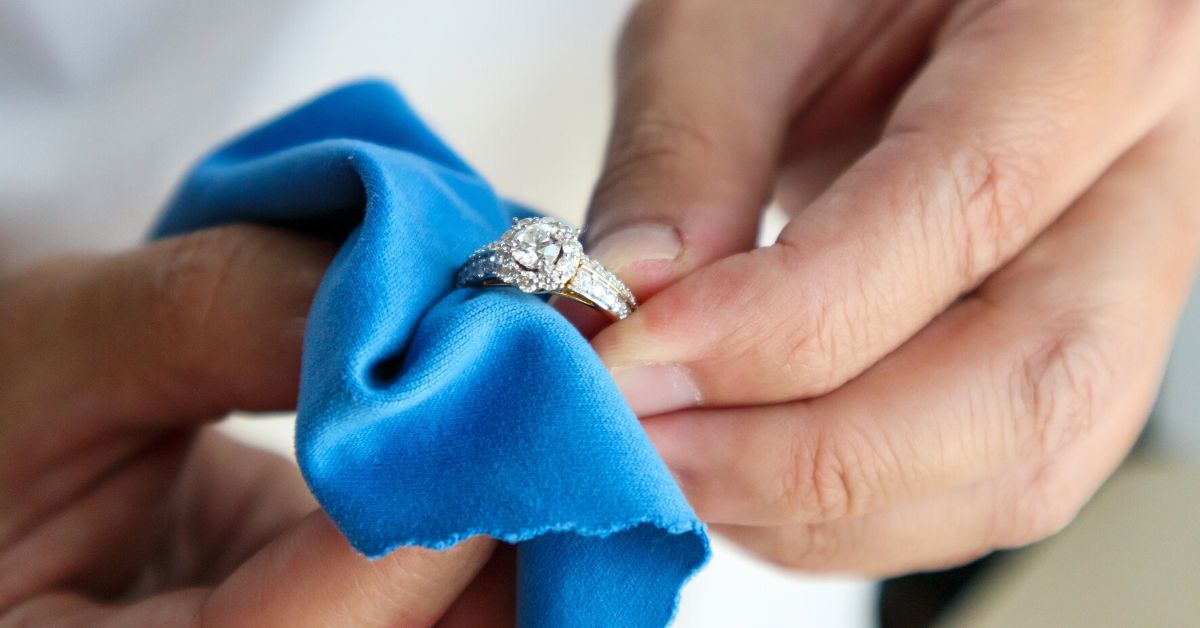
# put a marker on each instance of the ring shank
(592, 284)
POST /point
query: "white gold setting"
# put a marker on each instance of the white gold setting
(540, 255)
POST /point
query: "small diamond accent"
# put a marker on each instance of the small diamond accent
(594, 283)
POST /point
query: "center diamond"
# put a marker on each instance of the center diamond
(539, 254)
(536, 248)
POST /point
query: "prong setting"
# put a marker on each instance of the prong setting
(538, 254)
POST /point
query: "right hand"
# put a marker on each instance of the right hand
(959, 334)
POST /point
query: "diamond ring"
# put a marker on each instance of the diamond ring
(540, 255)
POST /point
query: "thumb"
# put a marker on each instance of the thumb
(312, 577)
(697, 128)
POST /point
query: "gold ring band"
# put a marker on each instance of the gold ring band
(544, 255)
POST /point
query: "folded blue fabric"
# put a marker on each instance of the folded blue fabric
(429, 414)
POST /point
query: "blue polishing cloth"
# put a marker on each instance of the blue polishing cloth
(429, 414)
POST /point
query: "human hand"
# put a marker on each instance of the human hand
(119, 507)
(995, 219)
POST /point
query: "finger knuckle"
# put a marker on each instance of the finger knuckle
(186, 283)
(824, 480)
(983, 200)
(810, 347)
(1056, 387)
(817, 341)
(994, 193)
(803, 346)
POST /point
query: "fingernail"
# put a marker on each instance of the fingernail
(640, 245)
(651, 389)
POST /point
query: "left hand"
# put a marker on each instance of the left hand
(121, 506)
(996, 216)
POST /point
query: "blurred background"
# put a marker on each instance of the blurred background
(103, 106)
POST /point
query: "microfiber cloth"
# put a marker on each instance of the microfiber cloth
(429, 414)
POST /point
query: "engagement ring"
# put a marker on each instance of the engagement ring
(543, 255)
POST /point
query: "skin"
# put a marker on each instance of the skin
(994, 222)
(951, 345)
(120, 505)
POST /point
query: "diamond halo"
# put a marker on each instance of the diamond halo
(538, 254)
